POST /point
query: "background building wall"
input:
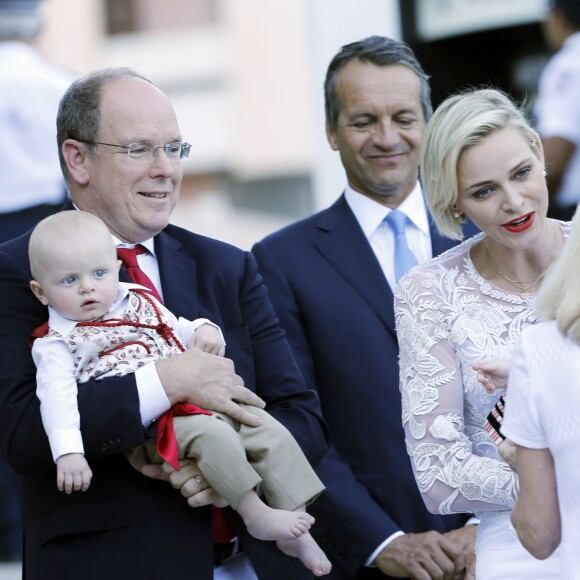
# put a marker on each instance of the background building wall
(246, 79)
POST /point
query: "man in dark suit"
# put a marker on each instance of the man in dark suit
(331, 278)
(121, 152)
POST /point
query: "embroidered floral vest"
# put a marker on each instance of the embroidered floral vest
(116, 347)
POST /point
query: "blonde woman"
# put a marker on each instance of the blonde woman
(543, 416)
(480, 159)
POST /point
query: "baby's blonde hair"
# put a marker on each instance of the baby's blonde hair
(71, 225)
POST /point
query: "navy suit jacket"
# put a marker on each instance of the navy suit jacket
(336, 306)
(127, 525)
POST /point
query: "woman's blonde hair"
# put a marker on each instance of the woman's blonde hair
(461, 121)
(559, 295)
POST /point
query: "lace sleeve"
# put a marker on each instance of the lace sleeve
(450, 476)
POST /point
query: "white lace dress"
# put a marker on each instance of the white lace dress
(448, 317)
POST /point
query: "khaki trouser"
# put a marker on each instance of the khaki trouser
(235, 458)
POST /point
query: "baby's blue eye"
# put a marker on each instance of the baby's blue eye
(69, 280)
(99, 273)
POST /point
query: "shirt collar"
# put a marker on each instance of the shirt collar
(64, 326)
(370, 213)
(148, 244)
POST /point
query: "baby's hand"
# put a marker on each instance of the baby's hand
(73, 473)
(208, 338)
(493, 374)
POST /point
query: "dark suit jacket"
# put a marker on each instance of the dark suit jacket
(126, 525)
(332, 299)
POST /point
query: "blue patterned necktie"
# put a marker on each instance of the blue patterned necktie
(403, 257)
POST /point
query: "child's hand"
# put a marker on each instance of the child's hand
(493, 374)
(507, 450)
(73, 473)
(208, 338)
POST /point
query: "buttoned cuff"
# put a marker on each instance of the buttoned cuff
(66, 441)
(370, 563)
(153, 401)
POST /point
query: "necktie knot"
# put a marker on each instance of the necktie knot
(129, 255)
(403, 258)
(397, 220)
(129, 258)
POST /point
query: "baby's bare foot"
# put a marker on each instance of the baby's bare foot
(308, 552)
(273, 524)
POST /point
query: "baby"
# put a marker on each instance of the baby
(100, 327)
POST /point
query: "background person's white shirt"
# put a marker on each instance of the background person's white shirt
(30, 91)
(557, 109)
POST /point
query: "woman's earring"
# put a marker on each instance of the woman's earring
(545, 173)
(456, 214)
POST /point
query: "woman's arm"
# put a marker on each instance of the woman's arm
(536, 515)
(450, 477)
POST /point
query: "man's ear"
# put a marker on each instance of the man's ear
(331, 137)
(38, 292)
(75, 156)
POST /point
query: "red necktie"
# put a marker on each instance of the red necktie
(129, 258)
(222, 533)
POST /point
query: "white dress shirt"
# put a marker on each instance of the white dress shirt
(370, 215)
(152, 398)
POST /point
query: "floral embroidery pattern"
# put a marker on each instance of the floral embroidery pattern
(448, 317)
(101, 352)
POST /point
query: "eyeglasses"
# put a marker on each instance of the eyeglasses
(145, 152)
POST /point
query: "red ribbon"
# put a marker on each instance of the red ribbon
(166, 441)
(167, 449)
(39, 332)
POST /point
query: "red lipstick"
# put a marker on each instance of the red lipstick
(520, 224)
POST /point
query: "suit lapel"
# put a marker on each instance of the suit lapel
(343, 243)
(178, 273)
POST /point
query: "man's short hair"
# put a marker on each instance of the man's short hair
(380, 51)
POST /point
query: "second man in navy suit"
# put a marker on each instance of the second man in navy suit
(331, 279)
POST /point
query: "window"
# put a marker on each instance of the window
(125, 16)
